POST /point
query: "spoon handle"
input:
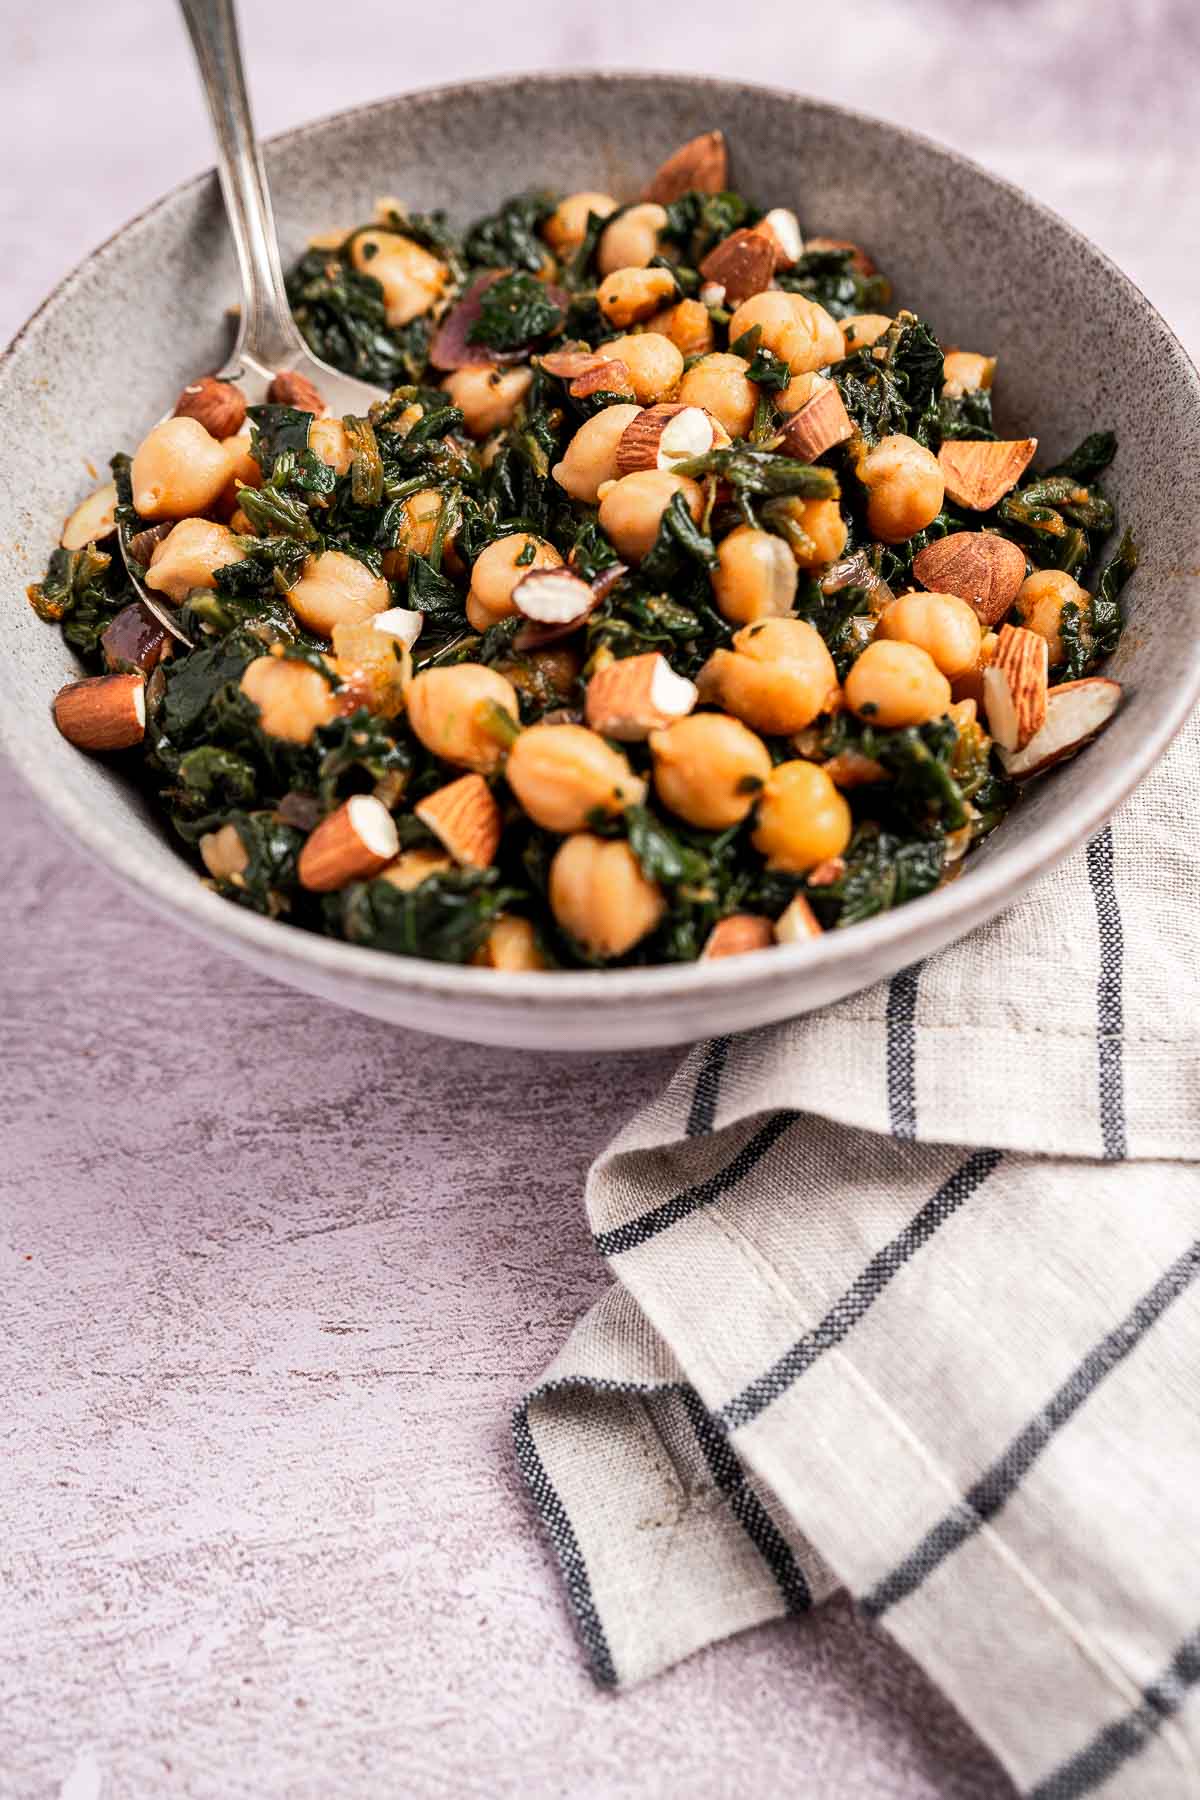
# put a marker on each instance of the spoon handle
(266, 333)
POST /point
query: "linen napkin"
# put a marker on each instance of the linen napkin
(906, 1302)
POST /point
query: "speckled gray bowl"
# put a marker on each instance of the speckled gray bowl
(1079, 346)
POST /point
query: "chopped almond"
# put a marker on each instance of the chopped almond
(782, 228)
(978, 474)
(553, 597)
(352, 844)
(103, 712)
(511, 945)
(608, 375)
(1015, 685)
(663, 435)
(797, 922)
(978, 566)
(465, 818)
(412, 867)
(1075, 712)
(820, 423)
(702, 163)
(636, 695)
(736, 934)
(743, 264)
(826, 873)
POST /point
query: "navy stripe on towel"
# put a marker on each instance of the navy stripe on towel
(660, 1218)
(902, 1051)
(1110, 1019)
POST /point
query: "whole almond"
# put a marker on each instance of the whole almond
(217, 405)
(701, 164)
(981, 568)
(289, 389)
(979, 473)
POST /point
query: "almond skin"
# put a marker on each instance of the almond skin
(734, 935)
(978, 474)
(103, 712)
(743, 264)
(465, 818)
(1015, 687)
(981, 568)
(290, 389)
(701, 163)
(820, 423)
(217, 405)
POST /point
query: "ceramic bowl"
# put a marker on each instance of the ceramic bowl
(1080, 348)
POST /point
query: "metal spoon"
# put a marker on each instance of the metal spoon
(267, 340)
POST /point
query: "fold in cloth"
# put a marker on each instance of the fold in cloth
(906, 1302)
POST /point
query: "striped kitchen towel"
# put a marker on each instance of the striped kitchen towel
(905, 1302)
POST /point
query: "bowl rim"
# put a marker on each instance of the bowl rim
(939, 916)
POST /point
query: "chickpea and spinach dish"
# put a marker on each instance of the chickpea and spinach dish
(680, 599)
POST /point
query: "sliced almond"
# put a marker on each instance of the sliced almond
(92, 519)
(400, 622)
(352, 844)
(553, 597)
(978, 566)
(702, 163)
(820, 423)
(637, 695)
(1015, 685)
(608, 375)
(743, 264)
(797, 922)
(1075, 712)
(663, 435)
(978, 474)
(465, 818)
(103, 712)
(782, 228)
(736, 934)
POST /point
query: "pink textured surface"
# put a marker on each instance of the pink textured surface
(274, 1275)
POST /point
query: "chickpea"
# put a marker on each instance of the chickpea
(942, 624)
(327, 440)
(755, 576)
(419, 516)
(488, 396)
(411, 277)
(449, 710)
(653, 361)
(336, 589)
(817, 531)
(292, 698)
(189, 557)
(688, 325)
(709, 769)
(562, 773)
(799, 391)
(631, 240)
(1040, 601)
(863, 329)
(178, 470)
(802, 818)
(777, 678)
(628, 296)
(600, 897)
(566, 227)
(511, 945)
(631, 509)
(904, 487)
(966, 372)
(796, 329)
(590, 459)
(223, 853)
(719, 384)
(895, 684)
(497, 572)
(245, 472)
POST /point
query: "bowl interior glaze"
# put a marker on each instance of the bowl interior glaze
(1080, 348)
